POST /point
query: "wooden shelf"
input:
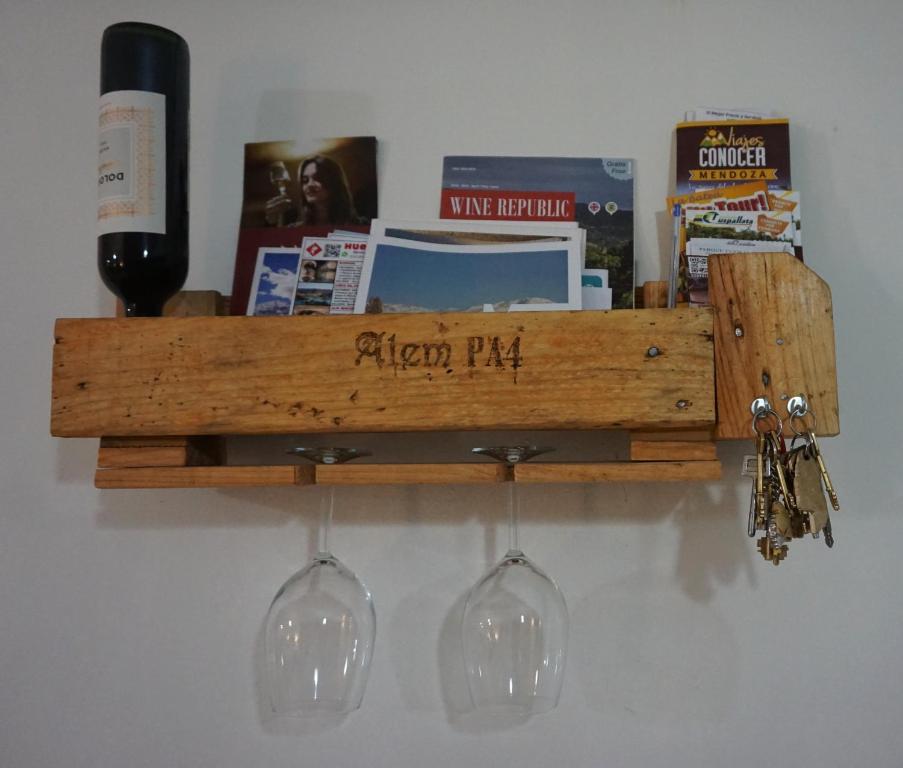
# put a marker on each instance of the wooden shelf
(162, 392)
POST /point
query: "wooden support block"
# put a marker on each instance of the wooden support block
(617, 472)
(202, 477)
(655, 294)
(410, 474)
(161, 452)
(672, 450)
(383, 373)
(190, 304)
(774, 337)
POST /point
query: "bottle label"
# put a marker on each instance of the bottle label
(131, 165)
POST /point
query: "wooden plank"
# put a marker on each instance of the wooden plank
(671, 435)
(376, 373)
(382, 474)
(202, 477)
(774, 336)
(618, 472)
(673, 450)
(160, 452)
(410, 474)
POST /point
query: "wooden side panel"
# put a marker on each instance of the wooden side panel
(373, 373)
(774, 336)
(160, 451)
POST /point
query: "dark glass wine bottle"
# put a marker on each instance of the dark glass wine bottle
(142, 214)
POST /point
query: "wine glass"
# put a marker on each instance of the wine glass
(319, 635)
(515, 630)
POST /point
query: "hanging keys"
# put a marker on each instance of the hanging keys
(800, 418)
(787, 500)
(758, 503)
(772, 496)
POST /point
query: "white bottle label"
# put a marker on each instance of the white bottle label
(131, 165)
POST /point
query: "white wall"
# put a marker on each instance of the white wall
(129, 620)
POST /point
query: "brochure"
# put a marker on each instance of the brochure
(741, 197)
(722, 153)
(710, 232)
(596, 193)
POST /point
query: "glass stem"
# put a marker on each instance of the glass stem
(512, 517)
(327, 504)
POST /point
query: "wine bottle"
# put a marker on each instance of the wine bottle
(142, 209)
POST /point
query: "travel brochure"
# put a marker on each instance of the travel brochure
(733, 195)
(515, 233)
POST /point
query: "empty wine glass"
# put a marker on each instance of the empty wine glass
(319, 634)
(515, 630)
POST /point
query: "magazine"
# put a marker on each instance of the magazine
(402, 275)
(596, 193)
(722, 153)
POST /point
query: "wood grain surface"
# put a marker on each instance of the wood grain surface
(774, 337)
(372, 373)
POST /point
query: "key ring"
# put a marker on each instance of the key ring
(802, 418)
(763, 414)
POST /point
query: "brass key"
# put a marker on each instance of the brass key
(799, 409)
(761, 498)
(816, 452)
(778, 467)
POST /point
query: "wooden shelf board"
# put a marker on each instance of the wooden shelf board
(202, 477)
(404, 474)
(618, 472)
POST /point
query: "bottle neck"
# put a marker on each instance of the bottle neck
(143, 309)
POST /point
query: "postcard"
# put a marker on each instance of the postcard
(309, 183)
(466, 232)
(596, 193)
(275, 281)
(329, 276)
(595, 292)
(407, 276)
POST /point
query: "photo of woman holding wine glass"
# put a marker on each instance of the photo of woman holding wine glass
(300, 184)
